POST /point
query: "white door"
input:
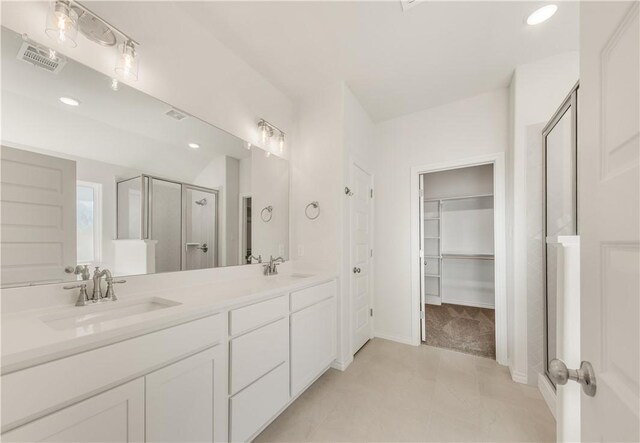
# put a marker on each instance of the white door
(361, 256)
(113, 416)
(608, 217)
(38, 223)
(423, 290)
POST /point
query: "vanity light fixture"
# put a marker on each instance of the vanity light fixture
(194, 145)
(267, 130)
(62, 23)
(281, 143)
(66, 17)
(127, 64)
(542, 14)
(69, 101)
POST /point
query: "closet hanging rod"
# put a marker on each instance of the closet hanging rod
(457, 198)
(469, 256)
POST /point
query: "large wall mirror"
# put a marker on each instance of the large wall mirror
(98, 174)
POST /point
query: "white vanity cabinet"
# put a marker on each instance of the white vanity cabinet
(114, 416)
(313, 334)
(186, 401)
(221, 377)
(258, 365)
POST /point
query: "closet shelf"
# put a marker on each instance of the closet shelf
(458, 198)
(469, 256)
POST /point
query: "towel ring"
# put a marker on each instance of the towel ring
(314, 204)
(266, 218)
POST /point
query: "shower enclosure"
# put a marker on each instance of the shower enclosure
(560, 205)
(179, 218)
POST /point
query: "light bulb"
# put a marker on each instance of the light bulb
(127, 63)
(541, 15)
(249, 146)
(264, 133)
(281, 142)
(62, 23)
(115, 84)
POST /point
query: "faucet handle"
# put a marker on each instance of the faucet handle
(111, 294)
(83, 298)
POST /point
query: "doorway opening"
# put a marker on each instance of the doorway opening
(457, 259)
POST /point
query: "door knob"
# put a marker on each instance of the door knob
(560, 375)
(356, 270)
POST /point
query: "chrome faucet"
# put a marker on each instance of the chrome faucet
(97, 286)
(271, 268)
(251, 258)
(82, 270)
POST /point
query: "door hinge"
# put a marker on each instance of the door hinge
(371, 192)
(422, 315)
(370, 312)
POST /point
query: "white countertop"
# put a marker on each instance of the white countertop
(28, 341)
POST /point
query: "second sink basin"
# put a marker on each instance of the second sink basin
(87, 317)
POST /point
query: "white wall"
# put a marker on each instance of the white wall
(461, 182)
(537, 90)
(466, 128)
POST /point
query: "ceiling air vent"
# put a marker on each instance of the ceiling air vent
(41, 57)
(176, 115)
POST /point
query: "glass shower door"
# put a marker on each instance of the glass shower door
(200, 226)
(560, 205)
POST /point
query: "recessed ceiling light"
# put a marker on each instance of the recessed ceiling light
(194, 145)
(541, 15)
(69, 101)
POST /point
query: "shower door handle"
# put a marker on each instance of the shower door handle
(203, 248)
(560, 375)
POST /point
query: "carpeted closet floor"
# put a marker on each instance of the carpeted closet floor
(462, 328)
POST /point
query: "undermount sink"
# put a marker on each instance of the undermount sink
(297, 275)
(89, 316)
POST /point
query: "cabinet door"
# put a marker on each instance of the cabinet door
(113, 416)
(313, 343)
(186, 401)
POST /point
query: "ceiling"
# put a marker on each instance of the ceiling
(395, 62)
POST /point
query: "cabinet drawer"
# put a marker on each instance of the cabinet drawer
(306, 297)
(256, 353)
(252, 316)
(252, 408)
(50, 386)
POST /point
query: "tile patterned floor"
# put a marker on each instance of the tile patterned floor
(394, 392)
(462, 328)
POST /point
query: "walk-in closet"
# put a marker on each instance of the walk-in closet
(457, 260)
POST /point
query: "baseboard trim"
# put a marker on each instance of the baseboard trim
(548, 393)
(470, 304)
(341, 365)
(433, 300)
(518, 377)
(396, 338)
